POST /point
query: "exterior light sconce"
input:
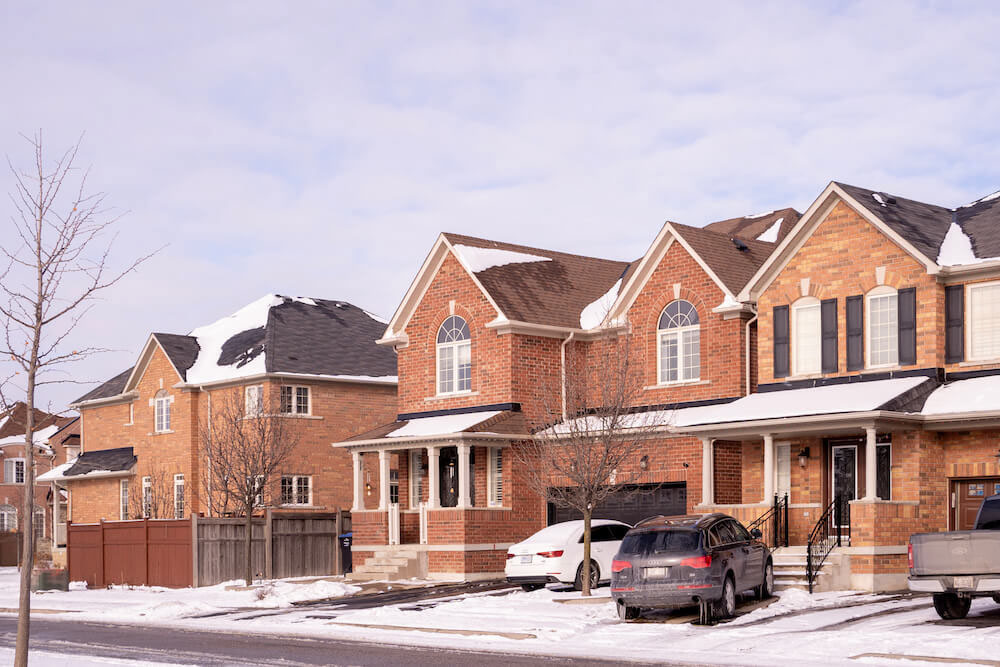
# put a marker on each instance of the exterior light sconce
(686, 464)
(644, 462)
(803, 457)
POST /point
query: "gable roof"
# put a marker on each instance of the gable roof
(731, 264)
(13, 421)
(980, 221)
(180, 350)
(109, 388)
(754, 226)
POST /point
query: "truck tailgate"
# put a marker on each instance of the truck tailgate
(959, 552)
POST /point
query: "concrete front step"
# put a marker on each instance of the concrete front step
(391, 563)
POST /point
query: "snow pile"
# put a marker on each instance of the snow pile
(728, 302)
(442, 425)
(974, 395)
(956, 248)
(480, 259)
(78, 585)
(770, 235)
(173, 609)
(595, 312)
(877, 197)
(284, 593)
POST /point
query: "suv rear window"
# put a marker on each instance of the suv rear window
(989, 514)
(661, 541)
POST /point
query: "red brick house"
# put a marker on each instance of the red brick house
(879, 380)
(317, 358)
(482, 337)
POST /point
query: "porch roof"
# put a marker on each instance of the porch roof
(497, 425)
(89, 465)
(964, 404)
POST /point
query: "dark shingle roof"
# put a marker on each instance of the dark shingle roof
(553, 292)
(103, 460)
(752, 227)
(112, 387)
(981, 223)
(733, 266)
(181, 350)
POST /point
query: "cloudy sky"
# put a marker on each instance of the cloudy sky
(318, 148)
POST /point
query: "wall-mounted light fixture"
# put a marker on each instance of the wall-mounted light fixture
(803, 457)
(644, 462)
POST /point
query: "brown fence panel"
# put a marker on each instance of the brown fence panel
(10, 549)
(169, 553)
(221, 550)
(304, 546)
(85, 553)
(125, 552)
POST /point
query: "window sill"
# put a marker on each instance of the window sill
(980, 362)
(298, 506)
(287, 415)
(881, 369)
(129, 424)
(679, 383)
(154, 433)
(454, 394)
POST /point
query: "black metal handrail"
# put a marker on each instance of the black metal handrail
(773, 524)
(825, 536)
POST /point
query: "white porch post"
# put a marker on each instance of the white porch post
(871, 463)
(55, 515)
(463, 475)
(383, 480)
(769, 469)
(359, 483)
(433, 483)
(707, 472)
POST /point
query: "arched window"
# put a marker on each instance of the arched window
(8, 518)
(882, 331)
(680, 343)
(807, 336)
(454, 356)
(162, 403)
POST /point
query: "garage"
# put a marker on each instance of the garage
(632, 503)
(968, 495)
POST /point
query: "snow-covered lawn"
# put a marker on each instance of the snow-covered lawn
(823, 629)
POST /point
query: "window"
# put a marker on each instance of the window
(254, 400)
(8, 518)
(294, 400)
(296, 490)
(806, 337)
(131, 413)
(178, 496)
(416, 478)
(38, 524)
(984, 321)
(454, 356)
(258, 491)
(162, 403)
(783, 459)
(679, 343)
(147, 497)
(883, 327)
(13, 471)
(495, 485)
(393, 487)
(123, 500)
(883, 471)
(739, 531)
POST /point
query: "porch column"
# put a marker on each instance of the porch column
(383, 480)
(871, 463)
(433, 483)
(463, 475)
(55, 514)
(769, 470)
(707, 472)
(359, 483)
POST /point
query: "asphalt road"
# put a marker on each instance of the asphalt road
(157, 644)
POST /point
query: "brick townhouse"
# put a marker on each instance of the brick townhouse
(315, 359)
(879, 358)
(482, 336)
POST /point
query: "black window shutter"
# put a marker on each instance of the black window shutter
(855, 333)
(828, 322)
(781, 347)
(954, 324)
(906, 302)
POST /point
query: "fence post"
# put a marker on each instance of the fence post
(785, 521)
(194, 549)
(145, 550)
(69, 569)
(100, 572)
(338, 565)
(268, 545)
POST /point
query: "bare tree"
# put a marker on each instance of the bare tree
(243, 447)
(57, 261)
(592, 449)
(151, 496)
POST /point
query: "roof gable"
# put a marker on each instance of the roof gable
(759, 227)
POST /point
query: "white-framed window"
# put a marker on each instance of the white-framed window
(454, 356)
(38, 524)
(258, 491)
(393, 487)
(783, 469)
(13, 471)
(296, 490)
(162, 406)
(495, 477)
(806, 337)
(295, 400)
(178, 496)
(983, 313)
(679, 336)
(254, 400)
(131, 412)
(416, 478)
(123, 500)
(8, 518)
(882, 327)
(147, 496)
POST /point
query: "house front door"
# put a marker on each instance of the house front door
(449, 476)
(844, 480)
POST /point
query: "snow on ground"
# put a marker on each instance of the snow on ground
(480, 259)
(45, 659)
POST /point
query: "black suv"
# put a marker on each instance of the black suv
(678, 561)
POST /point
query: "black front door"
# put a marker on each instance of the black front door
(449, 476)
(845, 478)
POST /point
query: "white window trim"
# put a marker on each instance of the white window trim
(168, 399)
(678, 332)
(295, 388)
(12, 512)
(782, 450)
(295, 479)
(801, 304)
(14, 461)
(880, 291)
(147, 509)
(123, 499)
(257, 404)
(179, 482)
(491, 462)
(416, 478)
(969, 315)
(454, 345)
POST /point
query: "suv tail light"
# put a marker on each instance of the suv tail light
(550, 554)
(909, 554)
(619, 565)
(699, 562)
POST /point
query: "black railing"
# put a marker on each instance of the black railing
(773, 524)
(832, 529)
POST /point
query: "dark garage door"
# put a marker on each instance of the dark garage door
(632, 504)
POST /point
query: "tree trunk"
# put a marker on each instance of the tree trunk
(248, 547)
(585, 573)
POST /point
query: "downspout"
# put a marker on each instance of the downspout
(563, 362)
(749, 322)
(208, 434)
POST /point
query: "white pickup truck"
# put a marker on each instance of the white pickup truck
(959, 565)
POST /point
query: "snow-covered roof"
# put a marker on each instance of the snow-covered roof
(646, 419)
(484, 424)
(770, 235)
(442, 425)
(974, 395)
(40, 438)
(594, 313)
(480, 259)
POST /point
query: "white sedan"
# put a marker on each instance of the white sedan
(555, 554)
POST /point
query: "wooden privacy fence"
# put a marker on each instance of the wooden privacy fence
(10, 549)
(204, 551)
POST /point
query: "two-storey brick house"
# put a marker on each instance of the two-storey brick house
(315, 359)
(879, 357)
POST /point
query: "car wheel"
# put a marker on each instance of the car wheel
(766, 588)
(531, 587)
(595, 576)
(627, 613)
(725, 606)
(949, 606)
